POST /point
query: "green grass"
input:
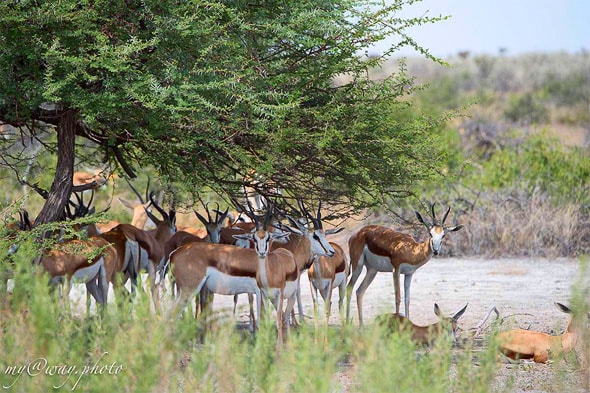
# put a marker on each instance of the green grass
(143, 352)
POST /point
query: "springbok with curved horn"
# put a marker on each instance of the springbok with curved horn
(382, 249)
(140, 216)
(327, 273)
(526, 344)
(228, 270)
(307, 243)
(424, 335)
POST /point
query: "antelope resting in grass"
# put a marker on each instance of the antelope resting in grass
(381, 249)
(424, 335)
(327, 273)
(96, 180)
(526, 344)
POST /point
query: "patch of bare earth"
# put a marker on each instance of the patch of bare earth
(523, 290)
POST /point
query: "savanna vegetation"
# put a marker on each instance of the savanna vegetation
(200, 95)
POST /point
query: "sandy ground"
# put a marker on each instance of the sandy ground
(523, 288)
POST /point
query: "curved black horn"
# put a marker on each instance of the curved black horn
(433, 213)
(266, 219)
(319, 216)
(141, 198)
(445, 216)
(208, 214)
(306, 213)
(158, 208)
(217, 213)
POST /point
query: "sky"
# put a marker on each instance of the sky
(485, 26)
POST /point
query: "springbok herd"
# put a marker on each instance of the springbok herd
(261, 256)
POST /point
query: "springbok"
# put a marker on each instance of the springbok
(526, 344)
(150, 245)
(140, 208)
(382, 249)
(213, 227)
(327, 273)
(229, 270)
(306, 242)
(68, 261)
(424, 335)
(96, 180)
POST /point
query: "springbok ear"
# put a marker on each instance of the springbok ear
(460, 313)
(279, 235)
(243, 236)
(333, 231)
(453, 229)
(419, 217)
(563, 308)
(126, 203)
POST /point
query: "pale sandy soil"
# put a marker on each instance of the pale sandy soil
(523, 288)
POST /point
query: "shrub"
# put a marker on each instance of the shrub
(526, 109)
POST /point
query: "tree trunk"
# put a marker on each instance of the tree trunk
(60, 191)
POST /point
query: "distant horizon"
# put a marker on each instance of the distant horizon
(485, 28)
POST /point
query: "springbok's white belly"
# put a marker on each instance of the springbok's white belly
(339, 279)
(224, 284)
(377, 262)
(85, 274)
(406, 268)
(290, 290)
(321, 284)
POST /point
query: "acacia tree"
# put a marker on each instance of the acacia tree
(210, 92)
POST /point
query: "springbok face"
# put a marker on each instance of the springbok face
(168, 222)
(213, 226)
(437, 233)
(452, 322)
(319, 244)
(437, 230)
(316, 235)
(262, 240)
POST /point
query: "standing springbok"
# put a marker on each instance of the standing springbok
(424, 335)
(229, 270)
(526, 344)
(306, 242)
(327, 273)
(382, 249)
(68, 261)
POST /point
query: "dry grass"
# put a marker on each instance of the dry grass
(519, 224)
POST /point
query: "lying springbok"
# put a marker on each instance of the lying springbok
(382, 249)
(424, 335)
(327, 273)
(229, 270)
(526, 344)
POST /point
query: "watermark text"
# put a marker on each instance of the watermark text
(66, 372)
